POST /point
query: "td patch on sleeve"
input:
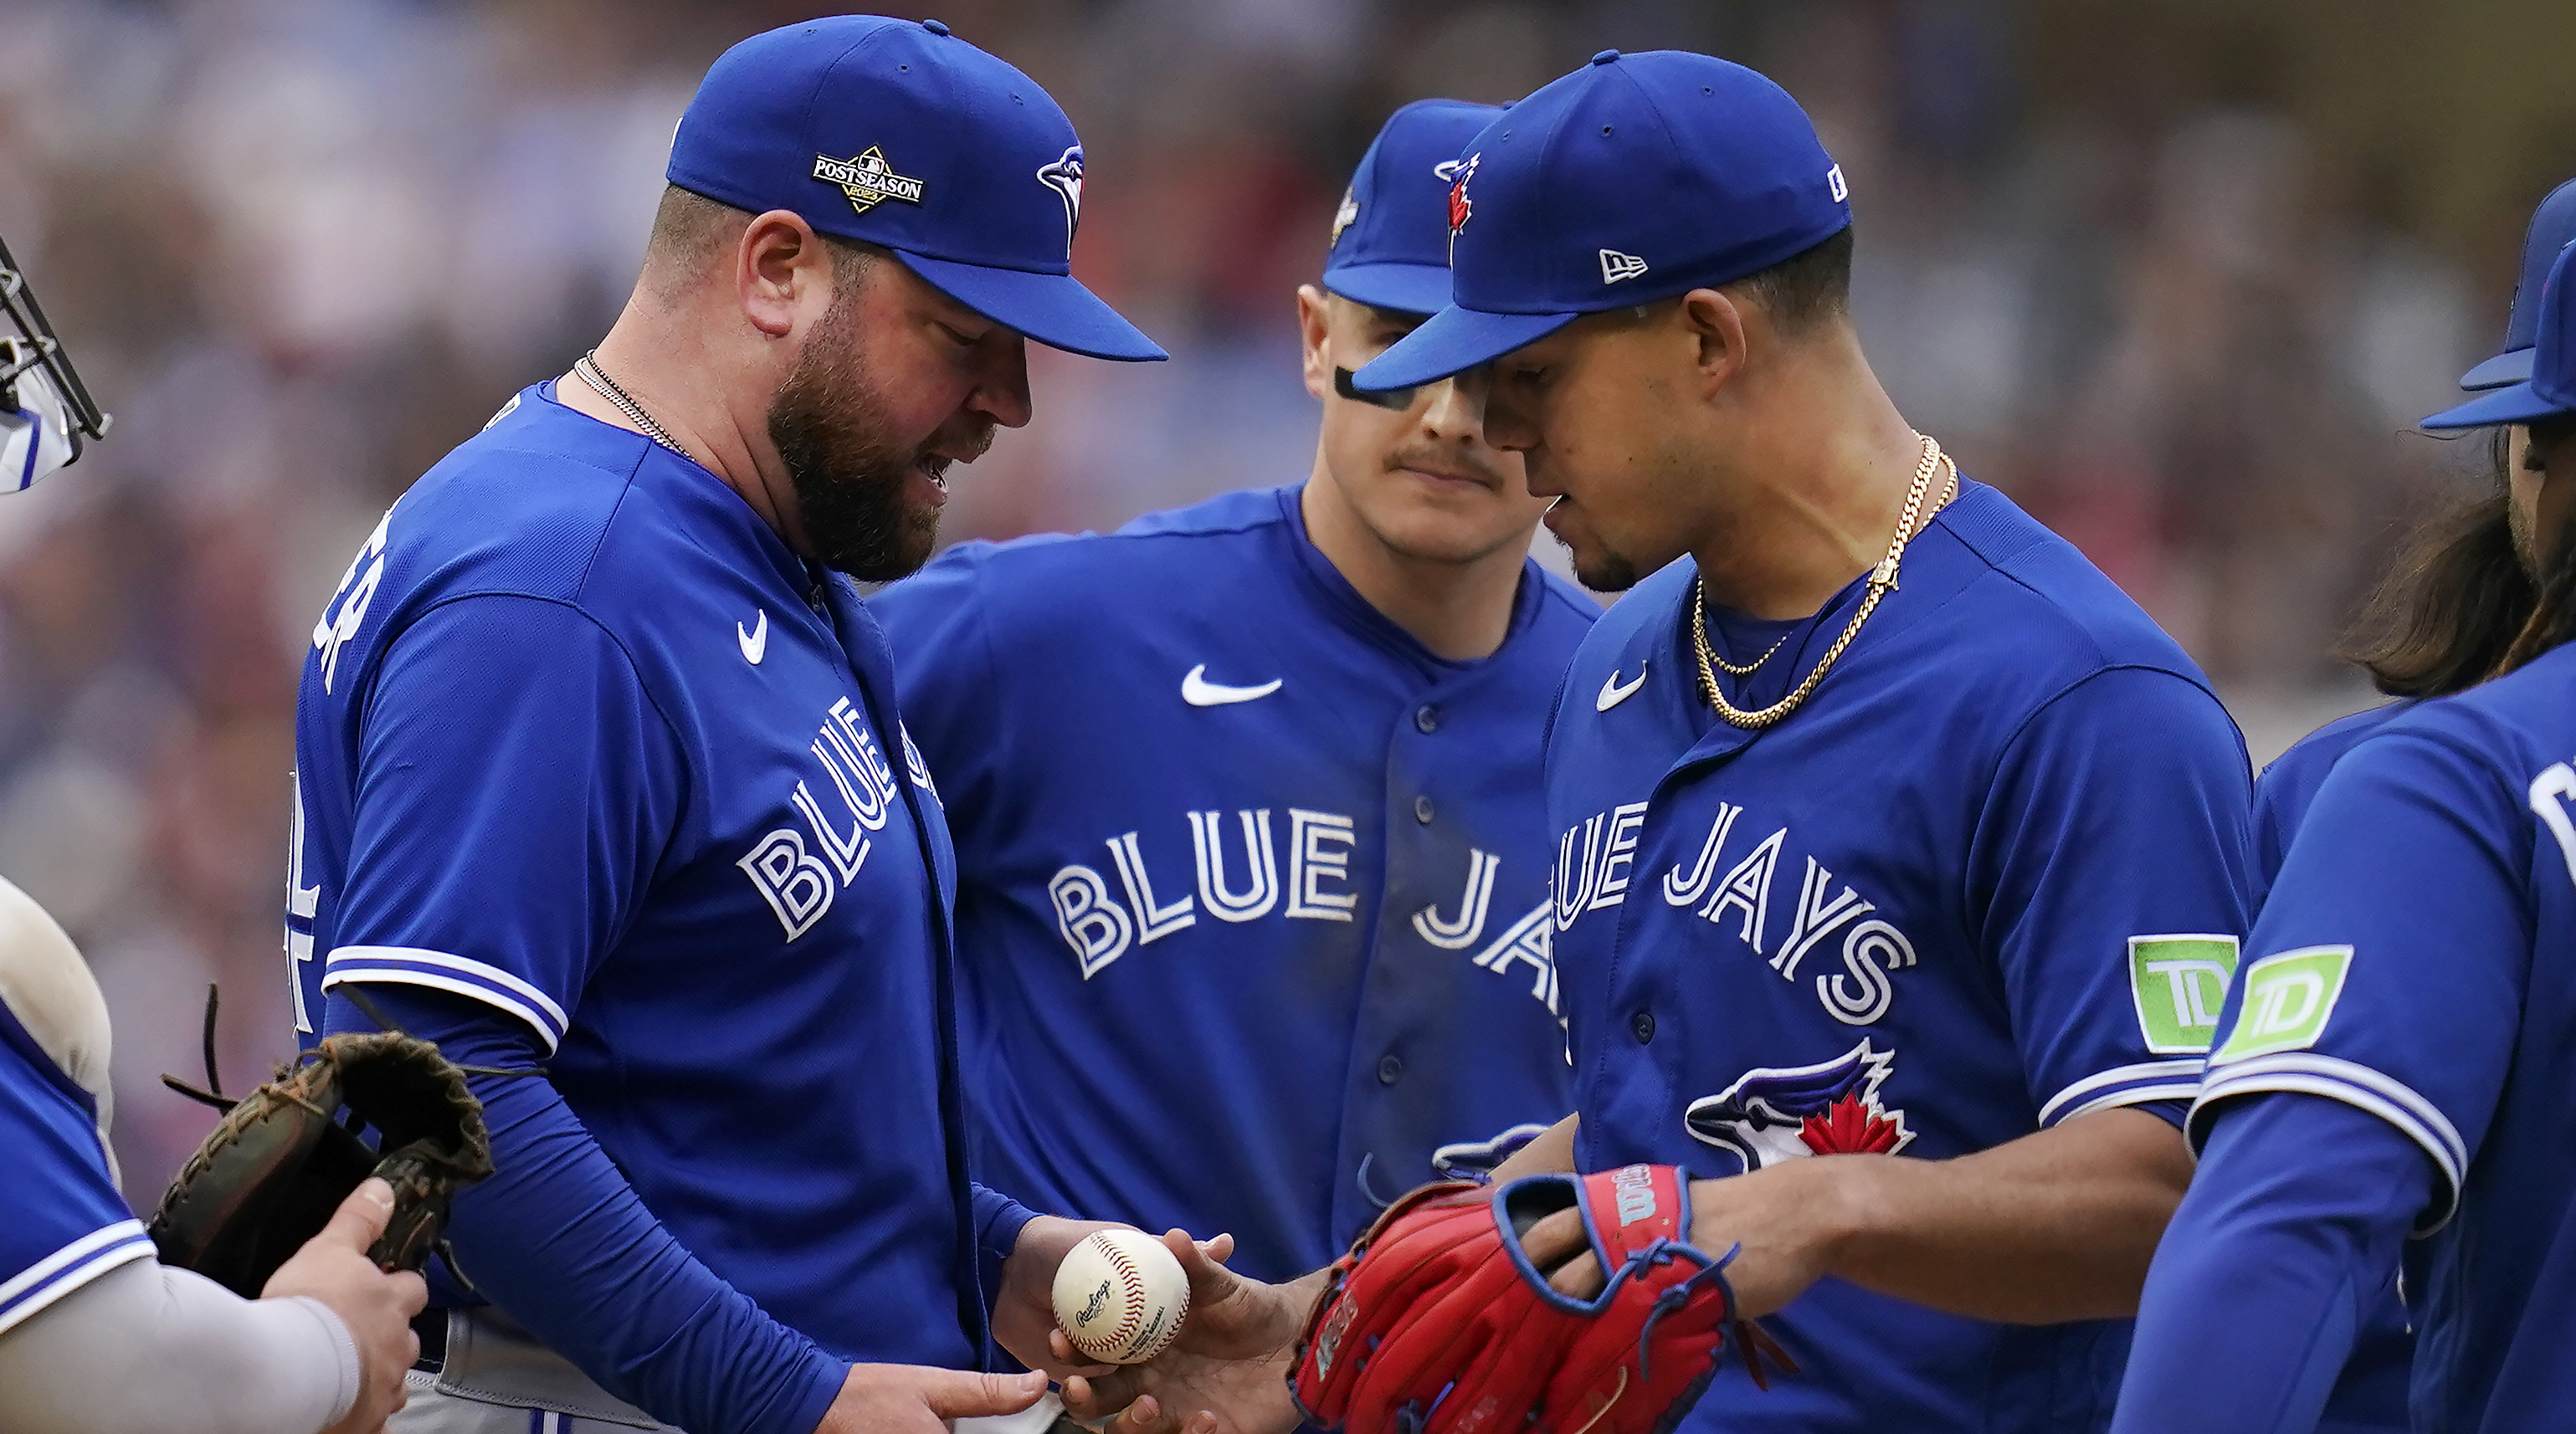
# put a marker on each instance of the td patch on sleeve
(2288, 999)
(2179, 983)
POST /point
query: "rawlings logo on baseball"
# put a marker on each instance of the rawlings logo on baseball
(1120, 1296)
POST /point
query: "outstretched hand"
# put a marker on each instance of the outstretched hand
(1226, 1372)
(376, 1307)
(1770, 1218)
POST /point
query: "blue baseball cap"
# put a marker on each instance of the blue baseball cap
(899, 134)
(2551, 389)
(1635, 178)
(2553, 225)
(1391, 235)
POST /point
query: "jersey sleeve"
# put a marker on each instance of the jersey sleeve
(2389, 966)
(62, 1221)
(949, 682)
(515, 788)
(2110, 865)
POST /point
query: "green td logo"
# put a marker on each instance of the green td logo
(2179, 983)
(2288, 998)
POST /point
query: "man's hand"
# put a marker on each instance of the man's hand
(1787, 1222)
(1226, 1372)
(376, 1307)
(1024, 1309)
(2058, 1225)
(915, 1399)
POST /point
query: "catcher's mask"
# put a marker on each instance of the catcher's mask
(46, 414)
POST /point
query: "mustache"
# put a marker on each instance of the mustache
(965, 444)
(1444, 459)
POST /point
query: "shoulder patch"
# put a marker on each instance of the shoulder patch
(2178, 984)
(2288, 999)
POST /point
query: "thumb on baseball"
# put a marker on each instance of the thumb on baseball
(966, 1394)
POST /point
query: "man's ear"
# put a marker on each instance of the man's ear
(1716, 325)
(1315, 331)
(782, 272)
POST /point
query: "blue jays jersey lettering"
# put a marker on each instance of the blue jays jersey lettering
(1253, 885)
(62, 1221)
(581, 739)
(1988, 878)
(2411, 963)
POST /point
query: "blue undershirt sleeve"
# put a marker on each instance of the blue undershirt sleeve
(2282, 1250)
(998, 1222)
(559, 1239)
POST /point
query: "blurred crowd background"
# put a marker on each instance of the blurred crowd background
(2179, 277)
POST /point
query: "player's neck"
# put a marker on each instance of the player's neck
(661, 363)
(1462, 611)
(1811, 497)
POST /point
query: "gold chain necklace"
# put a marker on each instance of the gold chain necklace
(1749, 668)
(1882, 580)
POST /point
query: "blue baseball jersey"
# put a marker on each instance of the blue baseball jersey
(1989, 878)
(2410, 962)
(1251, 895)
(2371, 1394)
(2283, 794)
(582, 739)
(62, 1221)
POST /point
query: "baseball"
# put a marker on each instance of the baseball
(1120, 1296)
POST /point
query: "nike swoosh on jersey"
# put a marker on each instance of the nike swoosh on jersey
(755, 643)
(1612, 694)
(1197, 691)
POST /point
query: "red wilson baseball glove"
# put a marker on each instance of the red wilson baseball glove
(1436, 1322)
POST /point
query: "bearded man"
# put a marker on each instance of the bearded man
(600, 777)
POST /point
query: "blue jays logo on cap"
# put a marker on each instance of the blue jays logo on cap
(1064, 176)
(1461, 208)
(1637, 177)
(899, 134)
(867, 179)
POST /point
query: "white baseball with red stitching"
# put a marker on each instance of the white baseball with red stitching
(1120, 1296)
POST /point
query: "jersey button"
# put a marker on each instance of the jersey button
(1426, 718)
(1388, 1068)
(1422, 810)
(1642, 1025)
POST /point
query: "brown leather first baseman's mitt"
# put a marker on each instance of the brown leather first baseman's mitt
(1437, 1322)
(281, 1161)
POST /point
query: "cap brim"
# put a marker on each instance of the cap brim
(1403, 288)
(2518, 404)
(2511, 366)
(1453, 341)
(1054, 309)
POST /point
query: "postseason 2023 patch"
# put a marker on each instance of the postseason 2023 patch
(867, 179)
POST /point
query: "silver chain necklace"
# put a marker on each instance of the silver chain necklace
(587, 367)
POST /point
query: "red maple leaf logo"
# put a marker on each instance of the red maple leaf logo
(1460, 207)
(1850, 1127)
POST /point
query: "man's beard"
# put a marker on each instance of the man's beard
(852, 481)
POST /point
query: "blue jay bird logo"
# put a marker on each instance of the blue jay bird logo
(1064, 176)
(1781, 1113)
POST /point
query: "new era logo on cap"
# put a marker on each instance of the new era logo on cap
(1616, 266)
